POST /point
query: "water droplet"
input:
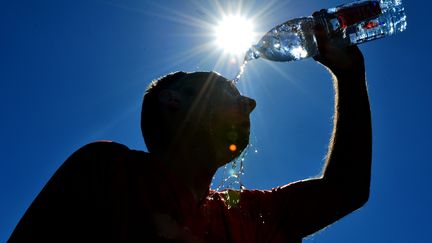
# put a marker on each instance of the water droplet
(233, 172)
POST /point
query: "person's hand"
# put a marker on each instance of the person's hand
(337, 59)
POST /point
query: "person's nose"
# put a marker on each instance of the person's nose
(248, 104)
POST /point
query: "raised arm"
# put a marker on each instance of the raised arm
(348, 162)
(344, 184)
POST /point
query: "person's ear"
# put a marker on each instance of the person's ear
(170, 99)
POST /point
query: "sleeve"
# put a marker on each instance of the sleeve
(267, 213)
(70, 207)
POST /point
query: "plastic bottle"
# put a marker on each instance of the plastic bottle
(348, 24)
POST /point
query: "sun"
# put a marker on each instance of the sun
(235, 34)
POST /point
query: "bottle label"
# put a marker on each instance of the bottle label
(358, 12)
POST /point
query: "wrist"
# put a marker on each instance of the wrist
(352, 72)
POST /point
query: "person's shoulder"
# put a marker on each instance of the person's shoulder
(102, 154)
(101, 148)
(100, 160)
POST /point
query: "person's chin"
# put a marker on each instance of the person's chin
(226, 155)
(229, 150)
(240, 145)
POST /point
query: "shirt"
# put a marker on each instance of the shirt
(106, 192)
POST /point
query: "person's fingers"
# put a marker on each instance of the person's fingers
(317, 13)
(318, 28)
(330, 54)
(321, 36)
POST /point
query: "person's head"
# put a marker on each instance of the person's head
(200, 112)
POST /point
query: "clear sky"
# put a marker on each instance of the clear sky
(72, 72)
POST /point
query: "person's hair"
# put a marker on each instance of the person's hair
(150, 117)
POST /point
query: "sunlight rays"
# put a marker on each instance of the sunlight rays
(203, 18)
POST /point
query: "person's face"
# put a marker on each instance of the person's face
(222, 114)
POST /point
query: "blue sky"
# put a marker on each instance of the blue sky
(72, 72)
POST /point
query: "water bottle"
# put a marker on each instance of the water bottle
(345, 25)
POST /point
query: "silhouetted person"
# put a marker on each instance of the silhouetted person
(106, 192)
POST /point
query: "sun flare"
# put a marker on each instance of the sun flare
(235, 34)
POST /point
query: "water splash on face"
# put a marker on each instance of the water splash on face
(233, 172)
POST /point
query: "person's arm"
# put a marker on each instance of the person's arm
(344, 184)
